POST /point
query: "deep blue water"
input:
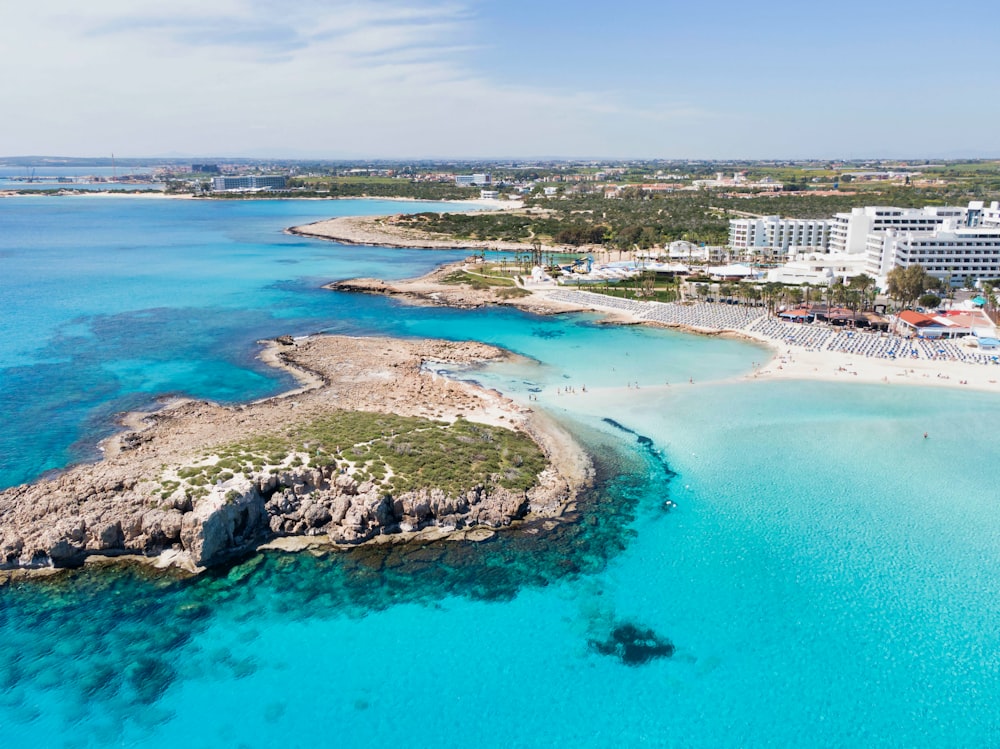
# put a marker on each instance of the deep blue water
(826, 578)
(133, 298)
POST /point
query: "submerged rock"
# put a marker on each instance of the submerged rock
(633, 645)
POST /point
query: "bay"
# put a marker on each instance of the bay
(825, 578)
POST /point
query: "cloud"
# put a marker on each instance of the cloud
(262, 28)
(381, 77)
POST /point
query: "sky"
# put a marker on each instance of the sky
(466, 79)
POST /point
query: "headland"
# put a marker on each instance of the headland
(388, 231)
(373, 445)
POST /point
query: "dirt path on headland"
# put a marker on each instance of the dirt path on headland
(386, 231)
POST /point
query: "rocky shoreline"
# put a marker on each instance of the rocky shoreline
(434, 289)
(384, 231)
(168, 492)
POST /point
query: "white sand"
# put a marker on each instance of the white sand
(800, 363)
(795, 363)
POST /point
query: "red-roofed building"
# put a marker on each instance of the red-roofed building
(947, 325)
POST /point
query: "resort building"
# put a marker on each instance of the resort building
(249, 182)
(472, 180)
(773, 236)
(950, 242)
(818, 269)
(849, 231)
(950, 253)
(983, 215)
(950, 324)
(738, 180)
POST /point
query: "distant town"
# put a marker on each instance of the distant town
(779, 222)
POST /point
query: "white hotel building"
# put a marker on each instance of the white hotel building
(772, 236)
(950, 252)
(949, 242)
(984, 215)
(849, 231)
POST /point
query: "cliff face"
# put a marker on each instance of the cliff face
(323, 502)
(135, 502)
(48, 526)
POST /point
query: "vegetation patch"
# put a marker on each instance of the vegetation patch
(512, 293)
(396, 453)
(477, 280)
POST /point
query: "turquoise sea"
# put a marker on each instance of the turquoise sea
(826, 577)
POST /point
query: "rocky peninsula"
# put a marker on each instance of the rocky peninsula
(390, 231)
(463, 285)
(374, 445)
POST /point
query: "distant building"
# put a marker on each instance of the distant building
(471, 180)
(489, 194)
(249, 182)
(739, 179)
(205, 168)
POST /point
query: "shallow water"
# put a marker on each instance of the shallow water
(825, 579)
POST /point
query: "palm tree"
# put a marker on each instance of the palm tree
(865, 285)
(770, 293)
(807, 292)
(743, 291)
(839, 292)
(949, 288)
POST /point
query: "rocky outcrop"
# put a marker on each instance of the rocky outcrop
(436, 288)
(126, 504)
(235, 517)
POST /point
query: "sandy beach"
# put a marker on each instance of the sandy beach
(386, 231)
(806, 351)
(483, 204)
(796, 351)
(804, 364)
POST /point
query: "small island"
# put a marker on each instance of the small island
(374, 445)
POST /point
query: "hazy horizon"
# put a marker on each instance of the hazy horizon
(194, 156)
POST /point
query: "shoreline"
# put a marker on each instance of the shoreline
(787, 361)
(126, 507)
(486, 204)
(806, 362)
(432, 289)
(378, 231)
(790, 360)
